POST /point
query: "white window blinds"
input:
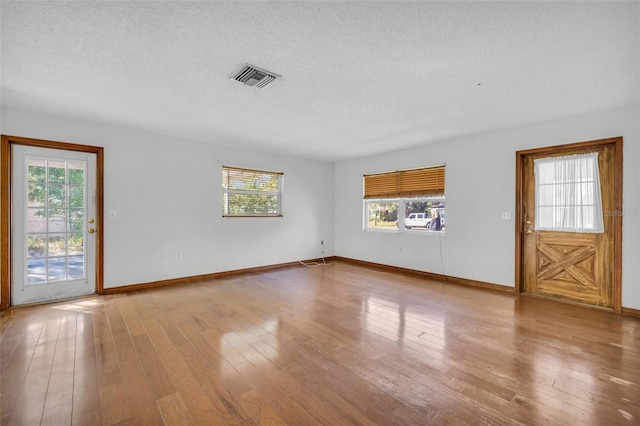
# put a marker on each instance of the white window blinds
(250, 193)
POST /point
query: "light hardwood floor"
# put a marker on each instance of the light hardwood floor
(341, 344)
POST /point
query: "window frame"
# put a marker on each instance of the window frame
(400, 222)
(403, 186)
(226, 191)
(565, 192)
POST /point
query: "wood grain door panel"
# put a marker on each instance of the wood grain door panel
(573, 266)
(572, 269)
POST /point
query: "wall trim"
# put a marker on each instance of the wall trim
(258, 269)
(213, 275)
(429, 275)
(630, 312)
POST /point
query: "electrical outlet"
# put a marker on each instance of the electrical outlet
(179, 255)
(506, 215)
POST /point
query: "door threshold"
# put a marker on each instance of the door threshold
(568, 302)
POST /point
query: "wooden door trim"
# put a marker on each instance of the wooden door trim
(6, 233)
(616, 142)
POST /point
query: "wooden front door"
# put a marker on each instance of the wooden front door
(583, 266)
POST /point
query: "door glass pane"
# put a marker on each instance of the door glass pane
(55, 220)
(37, 270)
(76, 220)
(76, 173)
(37, 196)
(57, 245)
(36, 220)
(76, 214)
(75, 243)
(76, 196)
(36, 245)
(57, 171)
(57, 268)
(567, 194)
(76, 266)
(57, 195)
(37, 170)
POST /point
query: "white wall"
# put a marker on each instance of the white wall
(166, 194)
(480, 173)
(167, 197)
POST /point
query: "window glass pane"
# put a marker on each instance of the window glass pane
(251, 192)
(57, 244)
(545, 195)
(76, 173)
(37, 170)
(587, 191)
(75, 226)
(567, 194)
(36, 220)
(36, 245)
(37, 196)
(252, 204)
(587, 217)
(76, 196)
(57, 220)
(57, 268)
(567, 216)
(566, 191)
(76, 266)
(545, 216)
(36, 270)
(425, 214)
(57, 196)
(75, 243)
(382, 215)
(76, 214)
(545, 172)
(57, 171)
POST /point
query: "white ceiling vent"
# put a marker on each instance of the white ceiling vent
(255, 77)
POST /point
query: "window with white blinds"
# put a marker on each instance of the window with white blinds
(251, 193)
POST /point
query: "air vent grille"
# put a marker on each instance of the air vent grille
(255, 77)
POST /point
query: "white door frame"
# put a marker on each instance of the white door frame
(6, 228)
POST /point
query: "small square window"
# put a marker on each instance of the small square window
(382, 214)
(251, 193)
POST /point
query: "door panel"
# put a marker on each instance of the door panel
(571, 266)
(53, 250)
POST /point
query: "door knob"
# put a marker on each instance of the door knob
(90, 220)
(527, 222)
(91, 230)
(529, 232)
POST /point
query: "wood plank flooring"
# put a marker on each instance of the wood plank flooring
(335, 345)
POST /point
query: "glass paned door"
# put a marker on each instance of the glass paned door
(54, 224)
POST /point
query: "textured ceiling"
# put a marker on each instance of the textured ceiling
(358, 78)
